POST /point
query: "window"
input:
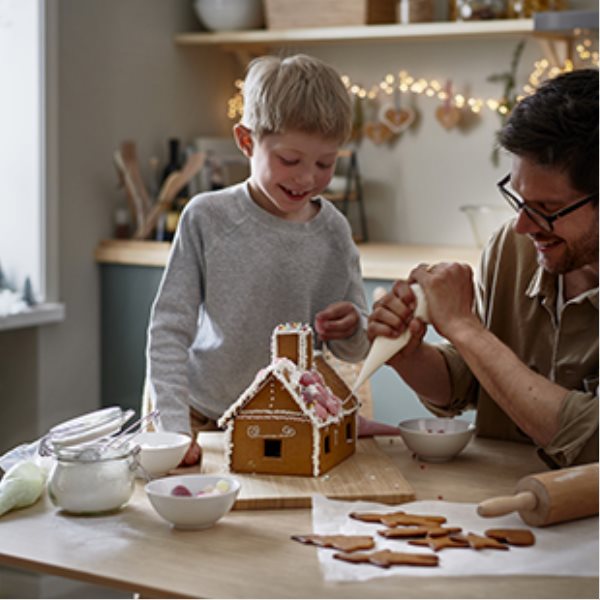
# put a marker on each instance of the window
(327, 444)
(28, 203)
(349, 434)
(272, 448)
(21, 146)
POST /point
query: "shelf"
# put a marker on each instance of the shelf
(499, 28)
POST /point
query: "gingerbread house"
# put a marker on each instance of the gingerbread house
(297, 417)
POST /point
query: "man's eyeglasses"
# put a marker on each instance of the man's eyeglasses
(539, 218)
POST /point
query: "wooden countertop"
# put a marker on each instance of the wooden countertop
(249, 554)
(378, 260)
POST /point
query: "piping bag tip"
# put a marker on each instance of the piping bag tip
(383, 348)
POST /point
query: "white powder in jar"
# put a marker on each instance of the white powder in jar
(92, 487)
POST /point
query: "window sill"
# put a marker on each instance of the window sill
(42, 314)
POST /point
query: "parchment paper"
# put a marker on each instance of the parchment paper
(564, 549)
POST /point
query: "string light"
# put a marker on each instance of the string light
(405, 83)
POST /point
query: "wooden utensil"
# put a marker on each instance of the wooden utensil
(130, 160)
(171, 186)
(135, 201)
(548, 498)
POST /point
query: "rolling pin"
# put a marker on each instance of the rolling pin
(549, 498)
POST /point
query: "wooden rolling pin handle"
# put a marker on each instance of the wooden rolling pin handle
(503, 505)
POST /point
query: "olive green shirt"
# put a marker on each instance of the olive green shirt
(517, 302)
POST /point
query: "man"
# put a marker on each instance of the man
(527, 355)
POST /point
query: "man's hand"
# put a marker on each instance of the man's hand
(338, 321)
(393, 313)
(448, 288)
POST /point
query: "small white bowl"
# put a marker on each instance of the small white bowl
(161, 451)
(195, 511)
(230, 15)
(436, 440)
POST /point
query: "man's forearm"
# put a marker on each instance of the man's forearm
(531, 400)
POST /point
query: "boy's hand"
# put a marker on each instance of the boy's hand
(193, 455)
(338, 321)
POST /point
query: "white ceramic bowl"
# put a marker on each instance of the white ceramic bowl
(486, 219)
(228, 15)
(436, 440)
(195, 511)
(161, 451)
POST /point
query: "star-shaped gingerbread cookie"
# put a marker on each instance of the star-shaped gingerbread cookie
(479, 542)
(347, 543)
(440, 543)
(387, 558)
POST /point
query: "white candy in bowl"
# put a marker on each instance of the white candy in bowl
(193, 501)
(436, 440)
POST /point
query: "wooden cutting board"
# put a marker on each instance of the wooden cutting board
(367, 475)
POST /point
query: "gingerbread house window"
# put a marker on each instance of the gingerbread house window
(327, 445)
(349, 434)
(272, 448)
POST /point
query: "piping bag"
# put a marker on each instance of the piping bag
(383, 348)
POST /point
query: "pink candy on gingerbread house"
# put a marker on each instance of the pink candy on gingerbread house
(290, 420)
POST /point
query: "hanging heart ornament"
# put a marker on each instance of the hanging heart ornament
(378, 132)
(448, 116)
(396, 119)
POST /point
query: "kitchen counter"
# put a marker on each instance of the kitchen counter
(249, 552)
(378, 260)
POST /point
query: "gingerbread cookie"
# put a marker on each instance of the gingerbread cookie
(512, 537)
(408, 519)
(440, 543)
(387, 558)
(418, 531)
(479, 542)
(347, 543)
(373, 517)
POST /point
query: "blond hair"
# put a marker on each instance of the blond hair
(297, 93)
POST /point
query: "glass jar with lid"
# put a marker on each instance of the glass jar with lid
(90, 475)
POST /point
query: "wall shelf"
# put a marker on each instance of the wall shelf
(499, 28)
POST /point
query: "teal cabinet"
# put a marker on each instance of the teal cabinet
(127, 293)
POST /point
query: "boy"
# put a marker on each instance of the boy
(260, 253)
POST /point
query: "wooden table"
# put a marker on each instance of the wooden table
(249, 553)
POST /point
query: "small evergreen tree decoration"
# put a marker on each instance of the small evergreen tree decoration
(28, 296)
(509, 93)
(3, 283)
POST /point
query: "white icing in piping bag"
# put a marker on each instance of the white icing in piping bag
(384, 348)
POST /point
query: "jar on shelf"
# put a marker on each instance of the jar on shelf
(89, 475)
(478, 10)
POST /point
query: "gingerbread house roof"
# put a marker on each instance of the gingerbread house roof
(291, 378)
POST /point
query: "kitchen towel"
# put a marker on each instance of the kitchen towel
(569, 549)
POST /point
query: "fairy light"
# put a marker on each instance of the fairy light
(405, 83)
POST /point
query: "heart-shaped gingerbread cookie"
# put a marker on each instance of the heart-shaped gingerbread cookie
(396, 119)
(448, 116)
(378, 132)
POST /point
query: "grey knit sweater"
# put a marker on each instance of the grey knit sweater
(234, 273)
